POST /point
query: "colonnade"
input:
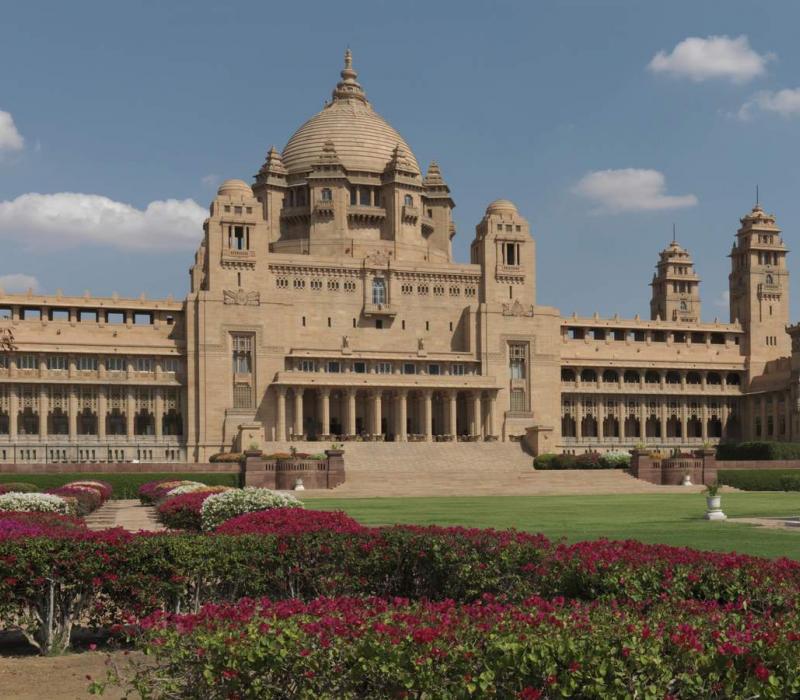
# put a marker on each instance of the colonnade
(399, 413)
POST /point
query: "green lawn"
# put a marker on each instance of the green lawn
(675, 519)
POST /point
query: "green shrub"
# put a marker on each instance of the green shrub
(588, 460)
(790, 483)
(124, 485)
(757, 479)
(226, 457)
(758, 450)
(18, 487)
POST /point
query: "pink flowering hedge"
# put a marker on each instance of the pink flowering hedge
(537, 648)
(115, 577)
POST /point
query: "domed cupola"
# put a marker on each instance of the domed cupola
(364, 141)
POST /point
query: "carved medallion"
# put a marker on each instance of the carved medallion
(517, 309)
(241, 298)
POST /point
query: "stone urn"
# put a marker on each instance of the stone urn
(714, 508)
(687, 480)
(298, 485)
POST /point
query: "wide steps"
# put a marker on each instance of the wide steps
(462, 469)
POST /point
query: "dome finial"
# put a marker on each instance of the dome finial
(348, 87)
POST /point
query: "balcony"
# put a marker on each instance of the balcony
(230, 255)
(295, 214)
(373, 310)
(410, 213)
(427, 225)
(324, 208)
(366, 214)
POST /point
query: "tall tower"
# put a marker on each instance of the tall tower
(676, 287)
(759, 287)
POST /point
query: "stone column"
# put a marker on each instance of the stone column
(684, 409)
(159, 412)
(402, 415)
(724, 417)
(13, 411)
(281, 418)
(298, 410)
(643, 422)
(491, 426)
(325, 410)
(72, 401)
(102, 409)
(704, 419)
(578, 418)
(376, 412)
(477, 428)
(44, 400)
(452, 408)
(427, 414)
(351, 411)
(663, 421)
(601, 417)
(130, 413)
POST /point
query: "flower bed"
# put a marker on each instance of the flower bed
(33, 503)
(218, 508)
(183, 511)
(290, 521)
(588, 460)
(373, 648)
(18, 487)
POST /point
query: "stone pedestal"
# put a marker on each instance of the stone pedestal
(714, 511)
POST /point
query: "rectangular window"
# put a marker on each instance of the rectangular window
(169, 365)
(59, 314)
(26, 361)
(242, 396)
(383, 367)
(143, 319)
(334, 367)
(518, 360)
(363, 198)
(379, 323)
(518, 400)
(433, 370)
(409, 368)
(143, 364)
(458, 370)
(87, 363)
(359, 367)
(57, 362)
(3, 361)
(115, 364)
(308, 366)
(242, 353)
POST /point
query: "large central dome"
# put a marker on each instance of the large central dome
(362, 138)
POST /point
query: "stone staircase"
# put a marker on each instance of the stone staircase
(128, 514)
(463, 469)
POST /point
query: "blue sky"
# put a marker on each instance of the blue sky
(142, 108)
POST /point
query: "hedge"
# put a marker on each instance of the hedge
(47, 584)
(352, 648)
(758, 450)
(761, 479)
(588, 460)
(126, 485)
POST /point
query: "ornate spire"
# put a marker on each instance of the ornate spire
(348, 87)
(273, 163)
(328, 156)
(433, 178)
(401, 160)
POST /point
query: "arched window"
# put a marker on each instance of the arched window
(326, 194)
(713, 378)
(610, 376)
(378, 291)
(567, 374)
(408, 200)
(694, 378)
(673, 378)
(732, 379)
(770, 279)
(588, 375)
(683, 306)
(631, 377)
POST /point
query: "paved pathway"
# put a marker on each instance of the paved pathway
(126, 513)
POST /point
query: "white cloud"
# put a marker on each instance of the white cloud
(630, 189)
(785, 102)
(713, 57)
(17, 282)
(10, 138)
(71, 218)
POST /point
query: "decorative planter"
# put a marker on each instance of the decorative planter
(714, 508)
(687, 480)
(298, 485)
(252, 453)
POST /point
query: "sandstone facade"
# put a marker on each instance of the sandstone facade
(325, 304)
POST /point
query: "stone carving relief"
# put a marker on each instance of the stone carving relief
(377, 259)
(517, 309)
(241, 298)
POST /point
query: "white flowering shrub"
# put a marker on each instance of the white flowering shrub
(220, 507)
(34, 503)
(618, 459)
(186, 487)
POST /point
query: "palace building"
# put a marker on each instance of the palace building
(325, 304)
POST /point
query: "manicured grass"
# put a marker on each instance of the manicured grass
(125, 485)
(675, 519)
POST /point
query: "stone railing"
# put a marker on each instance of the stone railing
(701, 467)
(282, 473)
